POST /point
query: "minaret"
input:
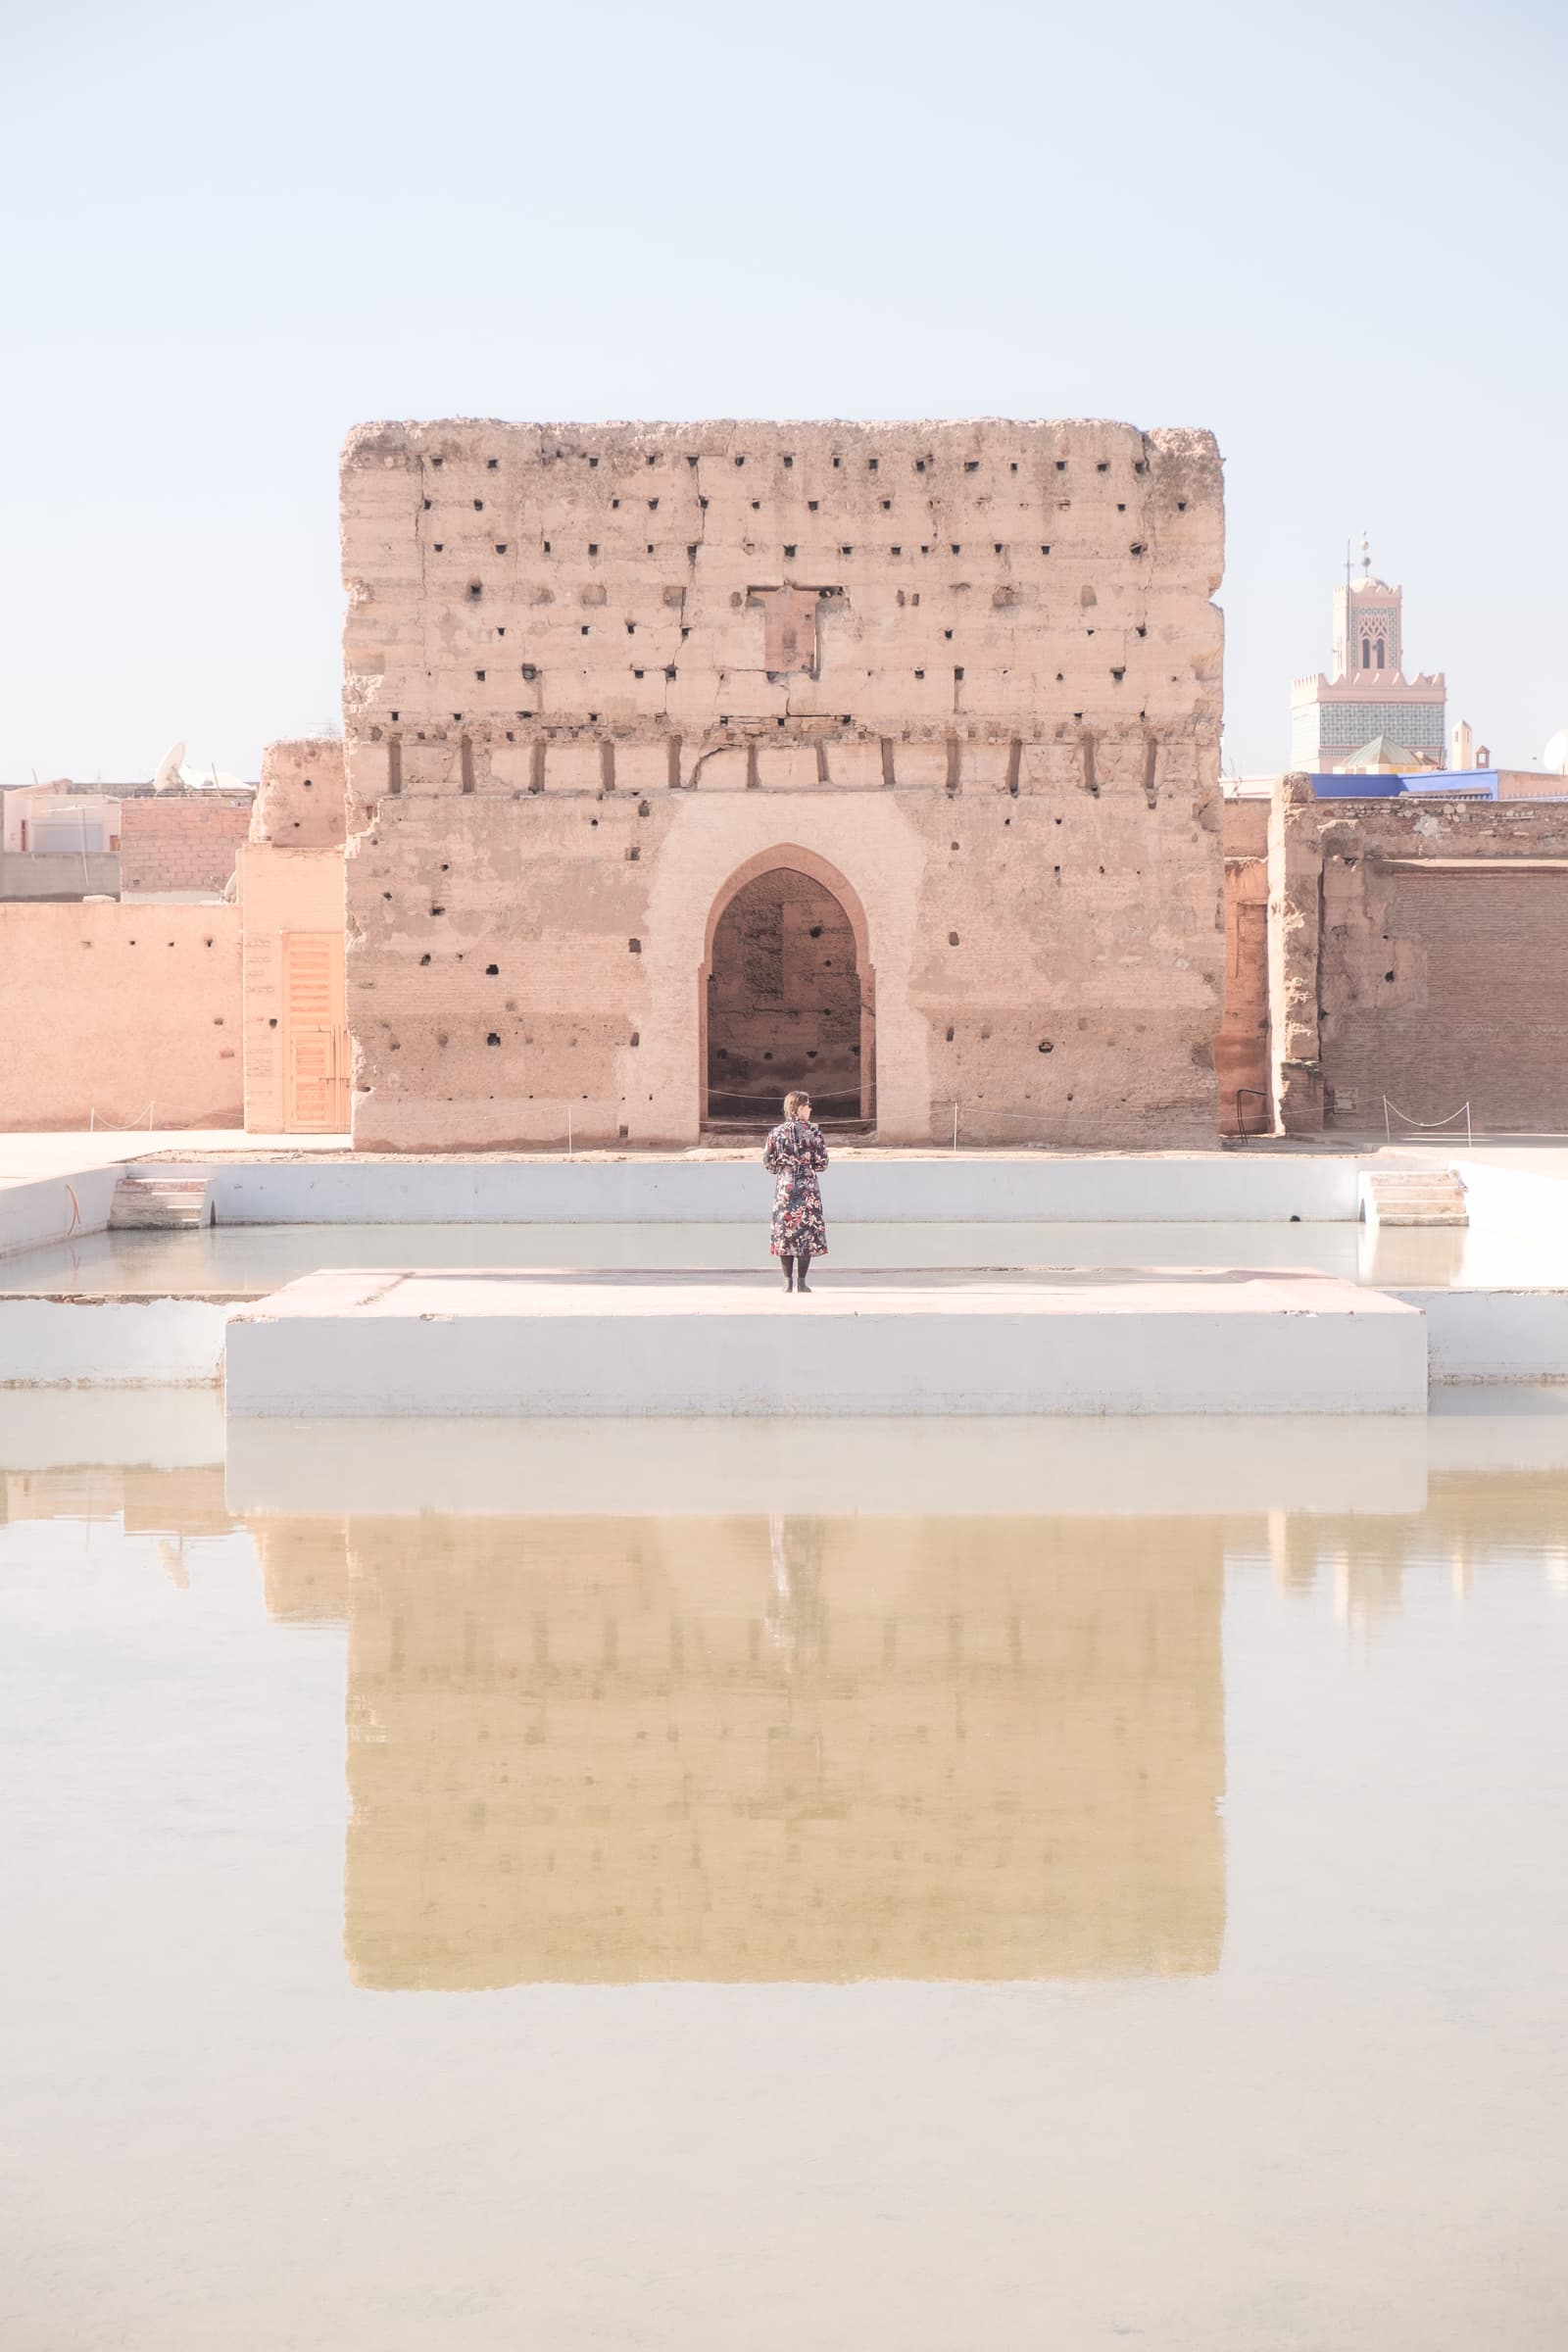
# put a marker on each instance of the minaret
(1369, 695)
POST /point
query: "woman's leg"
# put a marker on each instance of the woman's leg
(788, 1264)
(801, 1264)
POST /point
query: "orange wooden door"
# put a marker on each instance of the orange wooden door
(316, 1037)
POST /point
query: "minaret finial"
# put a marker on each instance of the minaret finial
(1367, 559)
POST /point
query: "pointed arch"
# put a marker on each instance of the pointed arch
(791, 859)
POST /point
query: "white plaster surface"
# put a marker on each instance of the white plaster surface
(90, 1343)
(39, 1210)
(1209, 1187)
(1079, 1341)
(1494, 1335)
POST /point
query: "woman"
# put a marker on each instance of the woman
(793, 1153)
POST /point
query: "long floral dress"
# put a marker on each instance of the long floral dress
(793, 1153)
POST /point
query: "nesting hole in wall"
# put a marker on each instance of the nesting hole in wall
(953, 939)
(425, 957)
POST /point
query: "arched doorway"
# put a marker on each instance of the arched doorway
(787, 1003)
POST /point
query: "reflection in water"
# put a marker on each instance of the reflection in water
(810, 1749)
(690, 1740)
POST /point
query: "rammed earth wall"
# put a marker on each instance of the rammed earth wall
(965, 675)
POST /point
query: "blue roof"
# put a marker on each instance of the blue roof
(1479, 783)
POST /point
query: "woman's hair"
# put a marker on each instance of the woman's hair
(794, 1105)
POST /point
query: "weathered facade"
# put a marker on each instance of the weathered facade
(1416, 954)
(961, 682)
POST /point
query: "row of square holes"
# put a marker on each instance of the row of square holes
(998, 547)
(872, 465)
(1119, 673)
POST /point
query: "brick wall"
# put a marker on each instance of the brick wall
(1426, 959)
(182, 840)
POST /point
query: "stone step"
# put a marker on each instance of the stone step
(1415, 1197)
(161, 1204)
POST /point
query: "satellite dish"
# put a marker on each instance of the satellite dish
(168, 778)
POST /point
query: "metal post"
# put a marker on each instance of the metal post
(955, 1126)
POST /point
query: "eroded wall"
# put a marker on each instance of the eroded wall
(300, 799)
(1425, 960)
(1242, 1048)
(968, 675)
(114, 1013)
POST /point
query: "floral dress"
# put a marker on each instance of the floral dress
(793, 1153)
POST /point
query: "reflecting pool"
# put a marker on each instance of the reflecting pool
(721, 1887)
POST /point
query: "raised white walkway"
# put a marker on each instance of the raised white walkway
(1182, 1340)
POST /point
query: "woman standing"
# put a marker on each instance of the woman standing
(792, 1155)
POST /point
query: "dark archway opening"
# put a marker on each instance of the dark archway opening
(785, 1004)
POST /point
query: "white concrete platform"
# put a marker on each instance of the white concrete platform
(1177, 1339)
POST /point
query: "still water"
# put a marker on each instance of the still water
(239, 1260)
(784, 1888)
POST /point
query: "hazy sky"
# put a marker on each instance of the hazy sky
(1336, 235)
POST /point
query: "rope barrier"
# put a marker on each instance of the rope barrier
(1392, 1110)
(113, 1127)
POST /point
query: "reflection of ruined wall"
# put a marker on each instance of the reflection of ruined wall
(610, 1751)
(594, 671)
(784, 998)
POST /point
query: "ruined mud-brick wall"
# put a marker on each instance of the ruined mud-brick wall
(966, 674)
(1435, 967)
(181, 840)
(300, 801)
(620, 1750)
(1240, 1049)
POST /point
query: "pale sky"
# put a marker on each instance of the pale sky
(1335, 236)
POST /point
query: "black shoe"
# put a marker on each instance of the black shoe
(803, 1289)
